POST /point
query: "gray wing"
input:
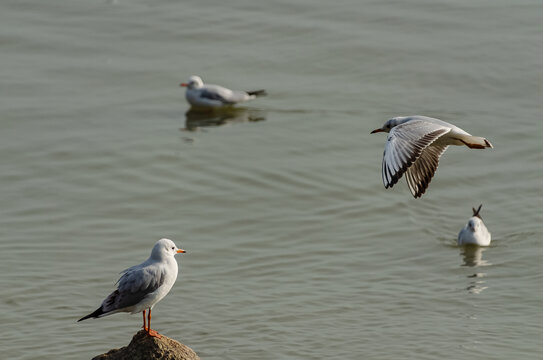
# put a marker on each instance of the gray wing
(211, 95)
(133, 286)
(224, 95)
(405, 144)
(421, 172)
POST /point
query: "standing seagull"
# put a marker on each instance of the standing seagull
(414, 146)
(215, 96)
(142, 286)
(475, 231)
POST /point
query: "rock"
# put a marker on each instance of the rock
(145, 347)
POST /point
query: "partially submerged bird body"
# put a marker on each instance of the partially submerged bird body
(414, 146)
(140, 287)
(474, 232)
(202, 95)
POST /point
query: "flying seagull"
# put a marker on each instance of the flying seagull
(414, 146)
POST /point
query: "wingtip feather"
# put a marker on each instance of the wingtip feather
(94, 314)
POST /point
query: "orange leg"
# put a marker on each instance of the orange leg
(144, 328)
(150, 331)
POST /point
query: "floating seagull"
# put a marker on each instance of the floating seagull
(142, 286)
(214, 96)
(475, 231)
(414, 146)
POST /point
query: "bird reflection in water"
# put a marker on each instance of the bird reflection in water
(473, 257)
(196, 119)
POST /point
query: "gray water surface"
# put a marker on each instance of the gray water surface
(295, 249)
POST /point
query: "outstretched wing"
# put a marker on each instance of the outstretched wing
(405, 144)
(421, 172)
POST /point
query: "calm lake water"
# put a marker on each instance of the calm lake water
(295, 249)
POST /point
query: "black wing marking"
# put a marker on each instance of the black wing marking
(420, 174)
(402, 150)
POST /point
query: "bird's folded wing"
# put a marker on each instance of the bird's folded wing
(421, 172)
(145, 278)
(218, 93)
(119, 300)
(405, 144)
(133, 286)
(211, 95)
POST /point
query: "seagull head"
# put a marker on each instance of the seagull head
(474, 224)
(389, 124)
(194, 82)
(165, 248)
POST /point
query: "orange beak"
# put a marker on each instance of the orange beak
(181, 251)
(377, 130)
(184, 84)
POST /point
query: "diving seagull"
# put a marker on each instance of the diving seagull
(475, 231)
(203, 95)
(142, 286)
(414, 146)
